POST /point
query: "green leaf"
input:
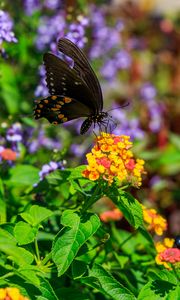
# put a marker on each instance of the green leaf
(105, 283)
(159, 289)
(36, 215)
(129, 206)
(7, 235)
(17, 254)
(24, 233)
(9, 89)
(46, 290)
(76, 173)
(23, 175)
(2, 211)
(2, 204)
(165, 275)
(69, 240)
(29, 273)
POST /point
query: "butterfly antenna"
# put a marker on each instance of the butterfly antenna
(122, 106)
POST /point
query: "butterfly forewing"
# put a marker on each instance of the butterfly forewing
(59, 109)
(64, 81)
(82, 66)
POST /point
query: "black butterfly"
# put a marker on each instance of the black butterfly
(74, 92)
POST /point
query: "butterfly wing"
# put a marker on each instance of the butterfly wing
(83, 68)
(64, 81)
(59, 109)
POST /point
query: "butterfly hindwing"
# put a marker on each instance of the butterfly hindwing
(83, 68)
(62, 80)
(60, 109)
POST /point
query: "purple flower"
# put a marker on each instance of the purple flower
(14, 133)
(50, 30)
(52, 4)
(126, 126)
(31, 6)
(78, 150)
(104, 37)
(43, 141)
(6, 26)
(109, 70)
(49, 168)
(76, 33)
(122, 59)
(148, 91)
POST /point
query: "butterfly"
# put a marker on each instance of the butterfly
(74, 91)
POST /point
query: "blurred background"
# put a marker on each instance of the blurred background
(134, 48)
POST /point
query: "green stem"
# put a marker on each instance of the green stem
(7, 275)
(126, 240)
(37, 250)
(46, 259)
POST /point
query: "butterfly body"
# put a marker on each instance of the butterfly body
(74, 92)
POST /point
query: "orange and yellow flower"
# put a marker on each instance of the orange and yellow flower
(154, 221)
(11, 293)
(111, 158)
(166, 254)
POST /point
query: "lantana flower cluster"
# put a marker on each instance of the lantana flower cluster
(11, 293)
(167, 254)
(111, 158)
(154, 221)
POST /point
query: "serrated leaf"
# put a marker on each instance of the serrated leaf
(129, 206)
(36, 215)
(46, 290)
(159, 289)
(24, 233)
(29, 273)
(74, 234)
(165, 275)
(108, 285)
(17, 254)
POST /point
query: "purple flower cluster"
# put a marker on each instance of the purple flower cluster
(148, 94)
(76, 31)
(6, 26)
(31, 6)
(49, 168)
(14, 135)
(50, 30)
(42, 141)
(107, 42)
(104, 37)
(120, 61)
(54, 27)
(126, 126)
